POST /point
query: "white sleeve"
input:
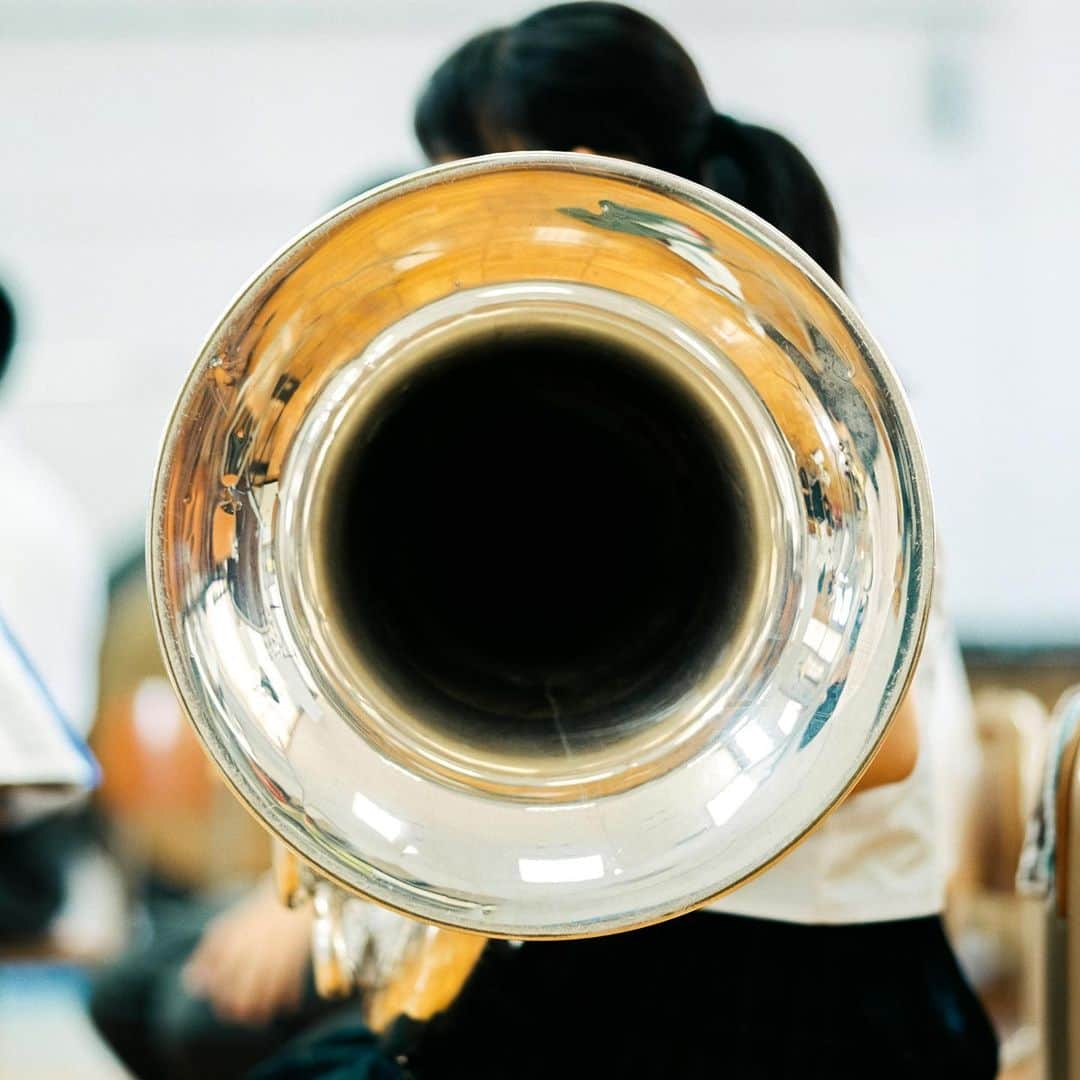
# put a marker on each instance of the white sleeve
(52, 582)
(38, 747)
(947, 723)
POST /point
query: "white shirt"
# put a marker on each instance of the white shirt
(52, 584)
(886, 853)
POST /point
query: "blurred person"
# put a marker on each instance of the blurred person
(215, 983)
(51, 599)
(218, 988)
(44, 767)
(52, 578)
(834, 962)
(217, 977)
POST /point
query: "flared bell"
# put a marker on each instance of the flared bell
(541, 545)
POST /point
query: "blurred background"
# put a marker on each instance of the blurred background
(155, 153)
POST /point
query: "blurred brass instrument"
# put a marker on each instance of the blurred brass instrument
(541, 547)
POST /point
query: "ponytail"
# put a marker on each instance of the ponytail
(607, 77)
(761, 170)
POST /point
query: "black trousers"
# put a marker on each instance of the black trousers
(707, 995)
(718, 996)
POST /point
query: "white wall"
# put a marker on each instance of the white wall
(155, 155)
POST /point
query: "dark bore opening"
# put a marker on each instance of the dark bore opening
(539, 537)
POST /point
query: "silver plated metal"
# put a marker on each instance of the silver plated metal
(685, 794)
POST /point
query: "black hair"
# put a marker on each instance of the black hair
(7, 330)
(447, 115)
(609, 78)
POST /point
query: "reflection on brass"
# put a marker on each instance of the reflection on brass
(541, 546)
(292, 880)
(429, 980)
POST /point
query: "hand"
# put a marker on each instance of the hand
(251, 960)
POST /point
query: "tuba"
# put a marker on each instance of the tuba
(540, 546)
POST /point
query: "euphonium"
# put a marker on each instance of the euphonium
(541, 546)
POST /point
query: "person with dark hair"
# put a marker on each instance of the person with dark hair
(48, 563)
(834, 962)
(609, 79)
(446, 118)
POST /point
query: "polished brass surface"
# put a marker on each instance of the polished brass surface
(416, 639)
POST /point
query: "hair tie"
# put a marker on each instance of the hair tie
(724, 132)
(722, 159)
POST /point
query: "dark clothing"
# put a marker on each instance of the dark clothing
(707, 995)
(33, 861)
(333, 1051)
(160, 1031)
(31, 883)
